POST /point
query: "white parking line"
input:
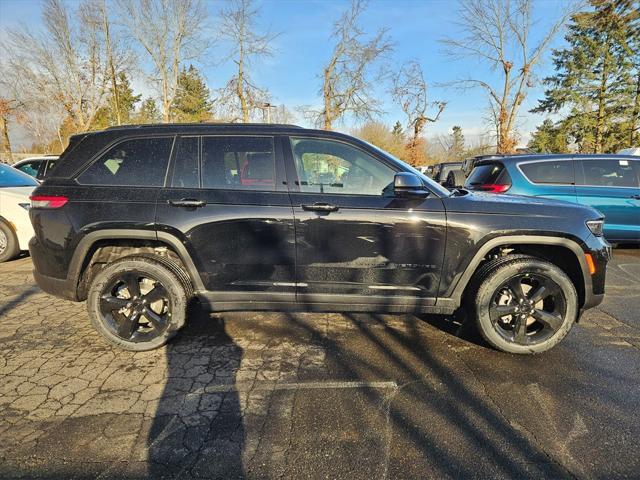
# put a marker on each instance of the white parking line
(272, 385)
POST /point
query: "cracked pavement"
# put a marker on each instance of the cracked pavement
(290, 395)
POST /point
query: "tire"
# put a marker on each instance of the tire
(9, 247)
(523, 304)
(137, 318)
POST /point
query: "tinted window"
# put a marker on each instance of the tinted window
(186, 172)
(30, 168)
(549, 172)
(137, 162)
(11, 177)
(488, 174)
(326, 166)
(609, 173)
(50, 166)
(238, 163)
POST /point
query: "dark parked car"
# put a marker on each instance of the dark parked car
(608, 183)
(441, 171)
(37, 167)
(139, 220)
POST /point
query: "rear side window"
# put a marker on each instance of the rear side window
(30, 168)
(558, 172)
(488, 174)
(138, 162)
(238, 163)
(609, 173)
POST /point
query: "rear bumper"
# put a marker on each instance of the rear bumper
(56, 286)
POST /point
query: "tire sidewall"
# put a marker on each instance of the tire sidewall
(12, 249)
(500, 275)
(155, 270)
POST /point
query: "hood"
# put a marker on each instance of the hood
(504, 204)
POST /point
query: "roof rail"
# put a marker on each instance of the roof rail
(201, 124)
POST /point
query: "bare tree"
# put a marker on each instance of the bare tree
(348, 77)
(169, 31)
(117, 57)
(238, 26)
(64, 64)
(8, 108)
(409, 90)
(497, 32)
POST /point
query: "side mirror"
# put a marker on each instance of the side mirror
(406, 184)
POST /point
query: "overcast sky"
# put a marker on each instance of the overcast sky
(292, 74)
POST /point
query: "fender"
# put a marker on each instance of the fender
(91, 238)
(453, 297)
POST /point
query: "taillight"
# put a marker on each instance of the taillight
(492, 188)
(48, 201)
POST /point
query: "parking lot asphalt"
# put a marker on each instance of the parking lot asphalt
(291, 395)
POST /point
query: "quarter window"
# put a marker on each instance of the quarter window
(558, 172)
(609, 173)
(238, 163)
(326, 166)
(186, 172)
(138, 162)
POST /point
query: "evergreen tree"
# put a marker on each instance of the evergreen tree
(192, 102)
(397, 131)
(549, 138)
(594, 75)
(107, 115)
(457, 143)
(149, 112)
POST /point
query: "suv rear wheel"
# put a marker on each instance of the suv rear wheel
(137, 303)
(525, 305)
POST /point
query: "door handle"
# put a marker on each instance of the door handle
(321, 207)
(187, 202)
(637, 197)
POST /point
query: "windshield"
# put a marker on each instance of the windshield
(436, 187)
(10, 177)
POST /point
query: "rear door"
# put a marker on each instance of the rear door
(226, 201)
(611, 185)
(358, 244)
(554, 178)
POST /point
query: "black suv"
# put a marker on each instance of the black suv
(140, 220)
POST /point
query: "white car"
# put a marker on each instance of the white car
(15, 226)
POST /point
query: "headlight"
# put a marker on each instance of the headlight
(26, 206)
(595, 226)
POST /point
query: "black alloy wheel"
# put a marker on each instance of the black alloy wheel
(528, 309)
(136, 307)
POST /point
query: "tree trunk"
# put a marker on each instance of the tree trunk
(600, 119)
(4, 138)
(326, 94)
(112, 70)
(635, 113)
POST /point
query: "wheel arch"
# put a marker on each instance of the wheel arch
(563, 252)
(104, 246)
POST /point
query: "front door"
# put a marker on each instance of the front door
(227, 202)
(358, 244)
(611, 185)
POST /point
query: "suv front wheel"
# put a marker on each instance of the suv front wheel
(524, 305)
(137, 303)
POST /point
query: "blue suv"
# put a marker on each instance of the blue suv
(609, 183)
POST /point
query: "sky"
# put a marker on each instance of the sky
(304, 45)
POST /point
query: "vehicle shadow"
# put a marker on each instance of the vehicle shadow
(197, 430)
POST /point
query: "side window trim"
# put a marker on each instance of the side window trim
(293, 180)
(117, 142)
(530, 162)
(583, 177)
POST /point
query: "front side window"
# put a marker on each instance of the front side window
(557, 172)
(138, 162)
(327, 166)
(238, 163)
(609, 173)
(30, 168)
